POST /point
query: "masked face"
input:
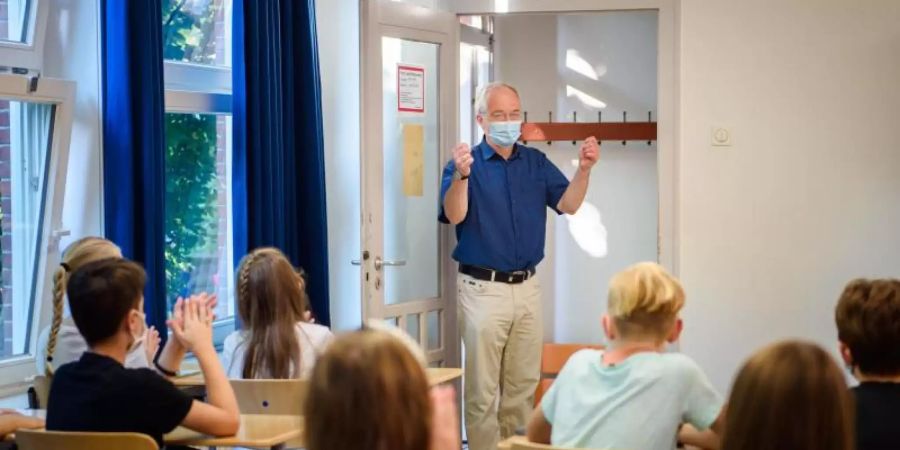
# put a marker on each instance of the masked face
(505, 134)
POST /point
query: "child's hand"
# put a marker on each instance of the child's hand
(151, 342)
(195, 328)
(444, 419)
(208, 301)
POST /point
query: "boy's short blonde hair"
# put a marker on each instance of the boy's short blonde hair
(644, 300)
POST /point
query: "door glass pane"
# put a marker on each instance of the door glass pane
(412, 326)
(433, 322)
(197, 31)
(25, 132)
(197, 212)
(15, 18)
(412, 170)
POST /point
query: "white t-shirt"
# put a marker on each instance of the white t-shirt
(313, 339)
(635, 404)
(70, 345)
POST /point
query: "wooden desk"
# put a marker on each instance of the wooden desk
(436, 376)
(506, 444)
(257, 431)
(441, 375)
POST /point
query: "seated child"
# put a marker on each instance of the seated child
(368, 392)
(789, 395)
(632, 395)
(868, 323)
(97, 393)
(277, 341)
(61, 343)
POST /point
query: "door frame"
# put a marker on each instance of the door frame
(668, 104)
(384, 18)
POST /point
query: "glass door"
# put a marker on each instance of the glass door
(409, 122)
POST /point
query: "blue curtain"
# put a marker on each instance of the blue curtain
(278, 163)
(134, 140)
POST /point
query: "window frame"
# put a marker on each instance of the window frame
(186, 93)
(28, 54)
(17, 371)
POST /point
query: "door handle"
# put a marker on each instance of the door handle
(379, 263)
(355, 262)
(358, 262)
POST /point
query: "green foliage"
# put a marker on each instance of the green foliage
(191, 196)
(191, 182)
(188, 34)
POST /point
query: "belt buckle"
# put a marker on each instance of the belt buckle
(522, 273)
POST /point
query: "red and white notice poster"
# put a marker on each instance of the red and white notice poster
(410, 88)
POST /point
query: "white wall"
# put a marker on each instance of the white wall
(71, 51)
(337, 24)
(619, 50)
(809, 195)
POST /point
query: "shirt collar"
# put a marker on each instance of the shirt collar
(487, 152)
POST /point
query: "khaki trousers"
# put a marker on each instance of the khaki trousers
(501, 328)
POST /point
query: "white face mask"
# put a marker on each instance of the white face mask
(137, 338)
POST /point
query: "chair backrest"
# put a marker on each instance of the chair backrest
(71, 440)
(553, 358)
(41, 385)
(270, 396)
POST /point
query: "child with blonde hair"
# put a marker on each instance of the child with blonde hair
(277, 340)
(633, 394)
(61, 343)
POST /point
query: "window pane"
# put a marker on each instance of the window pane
(25, 131)
(198, 174)
(14, 20)
(197, 31)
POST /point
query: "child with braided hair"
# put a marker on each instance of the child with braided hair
(61, 343)
(277, 340)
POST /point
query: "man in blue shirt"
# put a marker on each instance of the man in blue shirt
(497, 195)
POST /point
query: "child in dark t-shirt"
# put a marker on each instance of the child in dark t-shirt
(868, 323)
(97, 393)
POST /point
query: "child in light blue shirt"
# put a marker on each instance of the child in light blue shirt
(632, 395)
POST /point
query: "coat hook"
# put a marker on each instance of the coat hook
(624, 120)
(550, 119)
(650, 120)
(574, 120)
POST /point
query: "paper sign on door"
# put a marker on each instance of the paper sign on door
(413, 159)
(410, 89)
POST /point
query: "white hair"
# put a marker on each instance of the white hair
(481, 100)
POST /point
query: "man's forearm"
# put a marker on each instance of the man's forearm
(456, 201)
(575, 193)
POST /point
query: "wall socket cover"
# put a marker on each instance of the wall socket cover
(721, 137)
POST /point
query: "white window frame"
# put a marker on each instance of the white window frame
(202, 89)
(16, 372)
(28, 54)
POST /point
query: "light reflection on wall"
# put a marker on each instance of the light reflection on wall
(587, 229)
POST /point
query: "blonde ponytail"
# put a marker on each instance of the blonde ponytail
(79, 253)
(59, 290)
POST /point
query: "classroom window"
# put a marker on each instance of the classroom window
(25, 131)
(199, 240)
(14, 20)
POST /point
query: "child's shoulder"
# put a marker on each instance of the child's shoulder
(680, 364)
(318, 334)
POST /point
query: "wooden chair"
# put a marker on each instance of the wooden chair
(553, 358)
(270, 396)
(70, 440)
(41, 390)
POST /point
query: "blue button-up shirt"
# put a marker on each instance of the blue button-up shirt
(505, 225)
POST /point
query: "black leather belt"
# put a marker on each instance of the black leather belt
(480, 273)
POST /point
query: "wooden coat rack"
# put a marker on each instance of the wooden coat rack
(578, 131)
